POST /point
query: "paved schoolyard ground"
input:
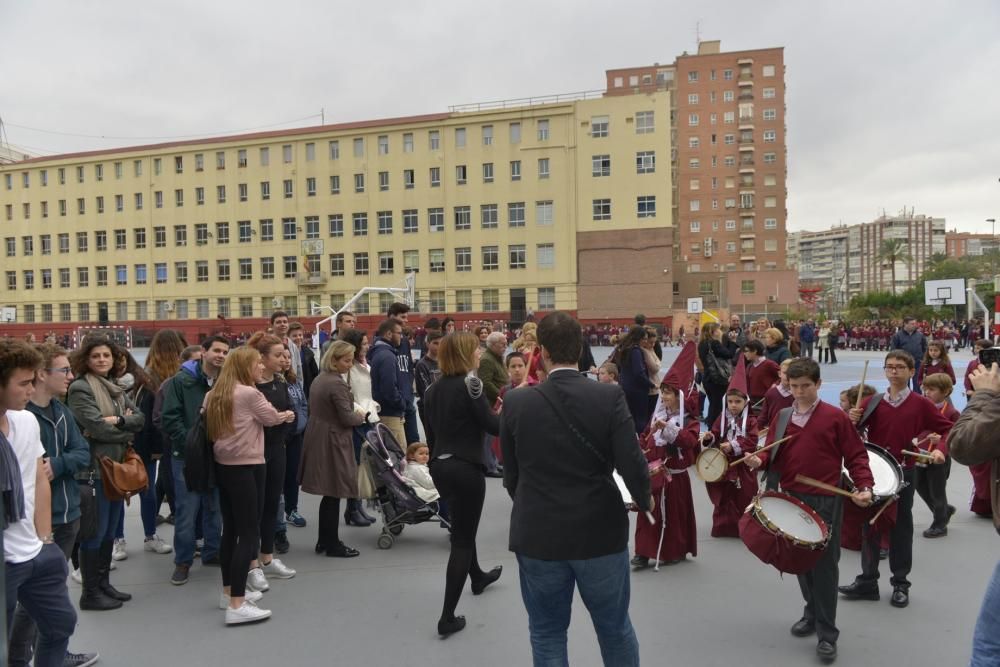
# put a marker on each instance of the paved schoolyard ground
(722, 608)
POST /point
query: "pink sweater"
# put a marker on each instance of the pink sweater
(245, 444)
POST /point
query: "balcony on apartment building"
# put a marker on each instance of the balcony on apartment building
(311, 278)
(746, 95)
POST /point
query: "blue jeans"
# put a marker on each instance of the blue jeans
(40, 586)
(186, 508)
(986, 639)
(547, 590)
(410, 425)
(148, 505)
(108, 513)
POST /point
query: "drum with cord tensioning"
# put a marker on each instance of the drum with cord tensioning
(784, 532)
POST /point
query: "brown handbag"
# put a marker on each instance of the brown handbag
(124, 480)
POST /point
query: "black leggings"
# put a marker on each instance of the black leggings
(293, 455)
(241, 499)
(274, 482)
(463, 487)
(329, 523)
(716, 396)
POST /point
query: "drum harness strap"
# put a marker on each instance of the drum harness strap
(773, 471)
(869, 409)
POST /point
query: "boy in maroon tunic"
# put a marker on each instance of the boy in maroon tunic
(735, 431)
(762, 374)
(670, 445)
(778, 397)
(825, 442)
(899, 416)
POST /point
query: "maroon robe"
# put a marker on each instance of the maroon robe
(681, 534)
(732, 494)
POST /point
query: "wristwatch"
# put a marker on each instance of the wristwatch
(48, 539)
(121, 421)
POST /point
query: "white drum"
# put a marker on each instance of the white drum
(886, 471)
(792, 519)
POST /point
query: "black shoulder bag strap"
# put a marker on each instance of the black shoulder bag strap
(578, 431)
(773, 471)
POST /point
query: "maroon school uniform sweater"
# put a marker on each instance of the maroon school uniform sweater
(894, 428)
(973, 365)
(773, 403)
(828, 439)
(940, 367)
(760, 378)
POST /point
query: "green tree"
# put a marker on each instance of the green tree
(892, 251)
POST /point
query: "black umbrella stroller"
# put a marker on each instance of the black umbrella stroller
(400, 506)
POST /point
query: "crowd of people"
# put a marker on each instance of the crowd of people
(278, 417)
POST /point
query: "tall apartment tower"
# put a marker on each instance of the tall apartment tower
(729, 172)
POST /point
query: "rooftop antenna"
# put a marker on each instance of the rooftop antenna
(697, 33)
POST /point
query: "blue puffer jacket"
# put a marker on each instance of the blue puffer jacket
(392, 386)
(68, 454)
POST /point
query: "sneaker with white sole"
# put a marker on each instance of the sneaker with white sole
(156, 545)
(119, 552)
(251, 596)
(76, 576)
(248, 612)
(278, 570)
(80, 659)
(257, 581)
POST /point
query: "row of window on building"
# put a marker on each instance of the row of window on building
(433, 301)
(745, 160)
(293, 266)
(746, 201)
(746, 225)
(664, 76)
(644, 123)
(645, 163)
(729, 139)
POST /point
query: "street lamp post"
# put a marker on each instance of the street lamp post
(993, 244)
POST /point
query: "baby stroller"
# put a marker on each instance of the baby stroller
(399, 504)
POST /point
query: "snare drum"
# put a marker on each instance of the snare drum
(784, 532)
(886, 471)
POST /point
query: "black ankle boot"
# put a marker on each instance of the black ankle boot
(93, 598)
(352, 515)
(104, 569)
(361, 510)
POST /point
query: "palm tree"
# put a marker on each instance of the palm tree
(892, 251)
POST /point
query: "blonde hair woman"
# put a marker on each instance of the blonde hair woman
(775, 348)
(458, 414)
(328, 467)
(235, 416)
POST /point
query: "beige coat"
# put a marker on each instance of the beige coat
(328, 467)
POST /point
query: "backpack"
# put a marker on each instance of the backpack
(199, 458)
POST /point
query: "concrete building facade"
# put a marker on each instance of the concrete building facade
(962, 244)
(500, 209)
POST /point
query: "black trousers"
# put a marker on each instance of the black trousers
(932, 483)
(833, 353)
(463, 487)
(274, 483)
(716, 396)
(293, 455)
(900, 542)
(241, 500)
(819, 585)
(329, 523)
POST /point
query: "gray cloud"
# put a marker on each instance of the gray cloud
(890, 104)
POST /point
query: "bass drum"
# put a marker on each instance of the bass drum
(886, 471)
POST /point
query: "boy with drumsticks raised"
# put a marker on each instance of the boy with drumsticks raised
(825, 442)
(893, 420)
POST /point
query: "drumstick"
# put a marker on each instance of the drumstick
(763, 449)
(884, 507)
(802, 479)
(861, 387)
(919, 455)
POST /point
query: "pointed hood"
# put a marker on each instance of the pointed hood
(681, 373)
(738, 383)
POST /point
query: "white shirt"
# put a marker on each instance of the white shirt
(20, 540)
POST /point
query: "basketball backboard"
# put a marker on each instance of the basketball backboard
(948, 292)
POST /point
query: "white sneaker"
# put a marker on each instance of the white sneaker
(278, 570)
(247, 613)
(119, 552)
(114, 566)
(157, 545)
(76, 576)
(256, 580)
(250, 596)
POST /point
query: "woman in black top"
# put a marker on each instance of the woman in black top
(715, 386)
(275, 390)
(457, 415)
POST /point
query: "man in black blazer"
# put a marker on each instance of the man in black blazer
(569, 527)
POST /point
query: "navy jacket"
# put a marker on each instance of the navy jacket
(392, 379)
(915, 343)
(68, 454)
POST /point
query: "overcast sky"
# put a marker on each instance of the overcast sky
(890, 103)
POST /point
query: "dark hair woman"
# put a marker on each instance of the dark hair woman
(715, 385)
(457, 417)
(634, 375)
(109, 420)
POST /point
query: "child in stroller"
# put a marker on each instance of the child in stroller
(399, 503)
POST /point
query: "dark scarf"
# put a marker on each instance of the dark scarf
(10, 484)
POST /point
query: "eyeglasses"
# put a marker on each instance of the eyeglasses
(65, 370)
(897, 369)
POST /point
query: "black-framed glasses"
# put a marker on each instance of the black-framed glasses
(896, 369)
(65, 370)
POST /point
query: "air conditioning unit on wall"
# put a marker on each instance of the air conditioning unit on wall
(278, 302)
